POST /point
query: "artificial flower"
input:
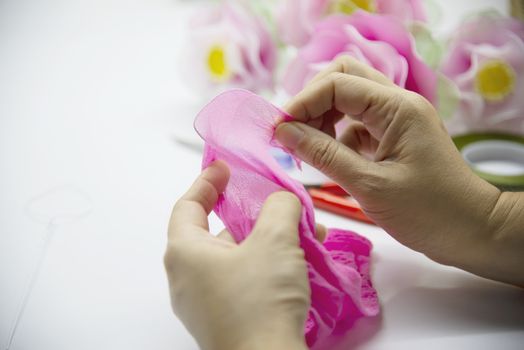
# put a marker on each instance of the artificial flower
(486, 62)
(377, 40)
(229, 47)
(298, 18)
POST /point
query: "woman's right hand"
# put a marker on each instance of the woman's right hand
(400, 164)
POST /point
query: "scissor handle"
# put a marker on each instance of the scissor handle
(337, 204)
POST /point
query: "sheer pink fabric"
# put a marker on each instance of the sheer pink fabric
(237, 127)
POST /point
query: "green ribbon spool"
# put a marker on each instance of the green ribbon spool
(514, 142)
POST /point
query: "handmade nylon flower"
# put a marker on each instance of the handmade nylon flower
(378, 40)
(486, 62)
(228, 46)
(298, 18)
(238, 127)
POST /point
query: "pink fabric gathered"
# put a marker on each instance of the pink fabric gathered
(238, 127)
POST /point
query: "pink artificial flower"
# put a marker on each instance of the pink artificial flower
(298, 18)
(486, 61)
(378, 40)
(229, 46)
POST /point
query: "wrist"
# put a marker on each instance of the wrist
(503, 249)
(468, 228)
(488, 240)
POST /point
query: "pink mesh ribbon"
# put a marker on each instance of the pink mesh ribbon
(238, 127)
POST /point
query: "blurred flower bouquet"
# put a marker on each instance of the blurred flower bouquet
(474, 78)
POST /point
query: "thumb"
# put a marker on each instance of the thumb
(323, 152)
(278, 220)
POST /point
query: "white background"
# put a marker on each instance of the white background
(90, 98)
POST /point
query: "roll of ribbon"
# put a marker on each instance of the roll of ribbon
(497, 158)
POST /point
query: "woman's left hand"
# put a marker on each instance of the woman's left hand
(253, 295)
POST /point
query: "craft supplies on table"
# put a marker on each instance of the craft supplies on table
(495, 157)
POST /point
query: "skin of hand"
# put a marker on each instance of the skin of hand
(252, 295)
(398, 161)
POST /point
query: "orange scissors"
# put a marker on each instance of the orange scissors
(333, 198)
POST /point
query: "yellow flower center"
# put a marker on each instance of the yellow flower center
(350, 6)
(217, 63)
(495, 80)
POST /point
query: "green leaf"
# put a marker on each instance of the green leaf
(428, 48)
(448, 95)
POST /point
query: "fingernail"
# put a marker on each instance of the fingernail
(289, 135)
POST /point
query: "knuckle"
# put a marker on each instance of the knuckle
(336, 76)
(409, 111)
(421, 116)
(323, 154)
(177, 261)
(400, 102)
(177, 206)
(418, 105)
(175, 254)
(175, 223)
(201, 192)
(345, 62)
(207, 194)
(170, 257)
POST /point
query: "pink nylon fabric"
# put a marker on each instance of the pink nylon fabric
(238, 127)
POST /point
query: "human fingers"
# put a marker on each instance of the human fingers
(350, 65)
(320, 232)
(326, 122)
(358, 138)
(192, 209)
(372, 103)
(347, 65)
(278, 219)
(334, 159)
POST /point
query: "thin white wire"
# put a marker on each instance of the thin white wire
(35, 272)
(48, 236)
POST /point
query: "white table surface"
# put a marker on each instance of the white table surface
(90, 98)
